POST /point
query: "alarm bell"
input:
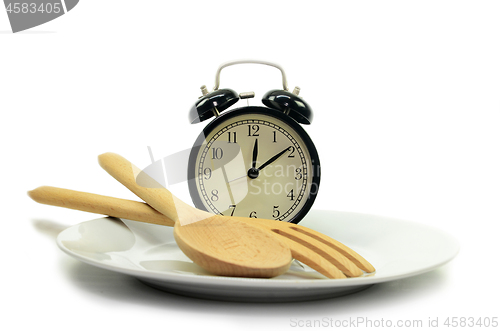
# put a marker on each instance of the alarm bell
(213, 103)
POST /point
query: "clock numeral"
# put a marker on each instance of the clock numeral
(290, 195)
(233, 136)
(274, 136)
(292, 150)
(217, 153)
(253, 214)
(234, 208)
(252, 130)
(215, 195)
(276, 212)
(208, 173)
(298, 173)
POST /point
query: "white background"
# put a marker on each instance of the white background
(407, 109)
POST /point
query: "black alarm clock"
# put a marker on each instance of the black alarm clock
(253, 161)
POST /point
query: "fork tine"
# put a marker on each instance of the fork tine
(357, 259)
(331, 255)
(310, 257)
(313, 252)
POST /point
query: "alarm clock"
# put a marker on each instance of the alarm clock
(253, 161)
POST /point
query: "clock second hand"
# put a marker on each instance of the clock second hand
(254, 160)
(228, 186)
(232, 180)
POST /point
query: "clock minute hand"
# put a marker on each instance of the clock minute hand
(255, 152)
(274, 158)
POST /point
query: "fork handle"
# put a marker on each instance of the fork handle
(99, 204)
(150, 190)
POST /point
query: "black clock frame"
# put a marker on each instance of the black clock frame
(316, 171)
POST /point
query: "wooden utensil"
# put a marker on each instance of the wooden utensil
(222, 245)
(315, 249)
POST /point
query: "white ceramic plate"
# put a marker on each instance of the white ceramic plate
(396, 248)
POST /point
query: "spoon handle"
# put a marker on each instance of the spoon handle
(150, 190)
(99, 204)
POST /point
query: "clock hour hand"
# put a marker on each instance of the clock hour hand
(274, 158)
(255, 152)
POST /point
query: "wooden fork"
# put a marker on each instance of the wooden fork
(320, 252)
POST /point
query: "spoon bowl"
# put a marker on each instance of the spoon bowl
(247, 252)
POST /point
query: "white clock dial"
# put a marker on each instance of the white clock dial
(254, 165)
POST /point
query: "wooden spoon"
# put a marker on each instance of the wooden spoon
(223, 245)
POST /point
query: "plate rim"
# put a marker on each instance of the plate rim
(224, 281)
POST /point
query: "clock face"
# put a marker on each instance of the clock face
(254, 163)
